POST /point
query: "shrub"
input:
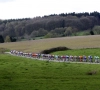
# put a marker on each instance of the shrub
(47, 51)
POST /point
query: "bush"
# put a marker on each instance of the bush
(47, 51)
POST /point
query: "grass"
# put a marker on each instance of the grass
(18, 73)
(2, 50)
(75, 42)
(78, 52)
(82, 33)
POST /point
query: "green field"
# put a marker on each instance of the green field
(17, 73)
(78, 52)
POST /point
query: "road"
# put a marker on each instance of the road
(52, 60)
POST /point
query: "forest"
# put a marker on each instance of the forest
(54, 25)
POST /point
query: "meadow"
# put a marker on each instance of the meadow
(80, 52)
(18, 73)
(75, 42)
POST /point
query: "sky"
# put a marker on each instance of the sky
(15, 9)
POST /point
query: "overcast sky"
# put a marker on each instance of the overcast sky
(13, 9)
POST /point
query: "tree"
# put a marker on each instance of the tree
(7, 39)
(91, 32)
(13, 39)
(34, 34)
(68, 31)
(96, 29)
(51, 25)
(86, 23)
(1, 39)
(42, 32)
(50, 35)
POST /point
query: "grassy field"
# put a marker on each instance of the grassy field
(75, 42)
(18, 73)
(77, 52)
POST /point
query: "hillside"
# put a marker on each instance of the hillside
(62, 25)
(75, 42)
(17, 73)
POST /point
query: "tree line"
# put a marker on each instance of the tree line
(54, 25)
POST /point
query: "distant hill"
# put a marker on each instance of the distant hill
(54, 25)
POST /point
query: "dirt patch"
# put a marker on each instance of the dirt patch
(91, 72)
